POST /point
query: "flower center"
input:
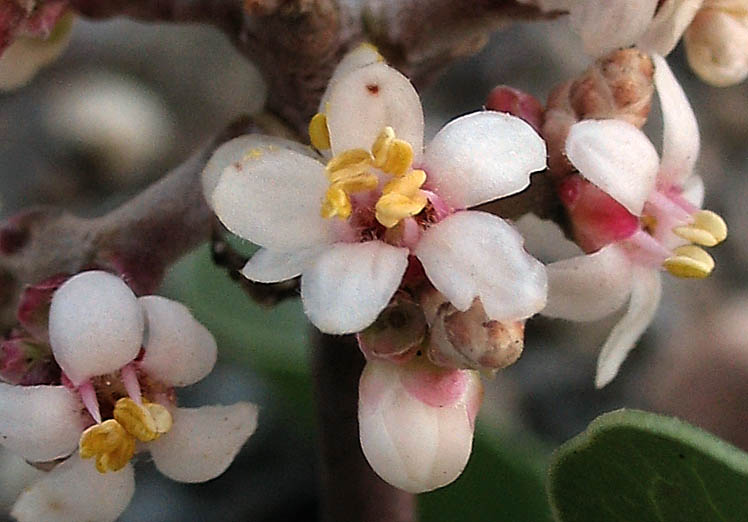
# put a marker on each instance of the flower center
(354, 171)
(112, 442)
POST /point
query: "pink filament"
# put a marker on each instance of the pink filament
(88, 396)
(130, 380)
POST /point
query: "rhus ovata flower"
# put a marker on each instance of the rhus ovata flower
(121, 358)
(636, 214)
(351, 218)
(416, 421)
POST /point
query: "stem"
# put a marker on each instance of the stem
(351, 491)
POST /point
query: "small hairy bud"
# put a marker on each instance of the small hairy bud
(619, 85)
(470, 339)
(517, 103)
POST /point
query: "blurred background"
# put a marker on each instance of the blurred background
(128, 101)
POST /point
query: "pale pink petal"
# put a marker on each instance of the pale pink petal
(611, 24)
(680, 132)
(481, 157)
(234, 151)
(74, 492)
(17, 475)
(416, 427)
(545, 240)
(40, 423)
(273, 197)
(645, 297)
(668, 26)
(589, 287)
(95, 325)
(361, 56)
(346, 287)
(693, 190)
(363, 102)
(271, 266)
(617, 157)
(475, 254)
(178, 350)
(204, 441)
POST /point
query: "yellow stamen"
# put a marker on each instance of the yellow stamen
(392, 155)
(336, 203)
(147, 422)
(689, 261)
(318, 132)
(372, 47)
(110, 443)
(707, 229)
(401, 198)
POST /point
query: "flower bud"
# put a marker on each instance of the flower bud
(26, 362)
(619, 85)
(33, 308)
(470, 339)
(416, 422)
(399, 328)
(517, 103)
(717, 43)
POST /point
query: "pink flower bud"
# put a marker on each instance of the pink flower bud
(596, 218)
(33, 308)
(26, 362)
(517, 103)
(416, 422)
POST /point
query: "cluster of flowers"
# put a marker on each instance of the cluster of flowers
(380, 231)
(379, 228)
(118, 359)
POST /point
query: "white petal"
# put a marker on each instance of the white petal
(368, 99)
(236, 150)
(271, 266)
(273, 198)
(411, 444)
(203, 441)
(17, 475)
(476, 254)
(95, 325)
(481, 157)
(645, 297)
(608, 25)
(545, 240)
(74, 491)
(178, 350)
(617, 157)
(40, 423)
(668, 25)
(589, 287)
(361, 56)
(693, 191)
(346, 287)
(680, 133)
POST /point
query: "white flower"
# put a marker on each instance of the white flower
(351, 226)
(608, 25)
(128, 352)
(416, 422)
(664, 194)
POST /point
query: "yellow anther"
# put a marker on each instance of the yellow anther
(319, 134)
(401, 198)
(146, 423)
(110, 443)
(689, 261)
(707, 229)
(392, 155)
(253, 154)
(372, 47)
(336, 203)
(358, 160)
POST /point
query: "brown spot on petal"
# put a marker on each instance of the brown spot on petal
(373, 88)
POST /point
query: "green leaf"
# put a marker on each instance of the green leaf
(503, 481)
(634, 466)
